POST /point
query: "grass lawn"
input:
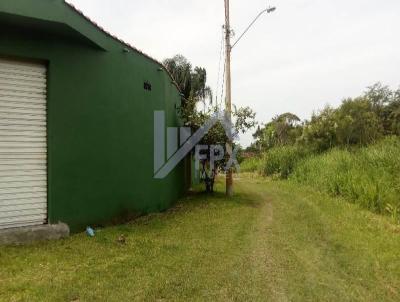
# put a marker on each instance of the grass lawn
(274, 241)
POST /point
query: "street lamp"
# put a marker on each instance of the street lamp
(228, 100)
(268, 10)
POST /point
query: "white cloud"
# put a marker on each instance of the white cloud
(304, 55)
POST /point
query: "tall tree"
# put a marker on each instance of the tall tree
(284, 129)
(380, 96)
(358, 122)
(191, 82)
(181, 71)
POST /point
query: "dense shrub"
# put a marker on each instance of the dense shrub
(368, 176)
(281, 161)
(251, 164)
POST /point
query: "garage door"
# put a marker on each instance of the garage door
(23, 160)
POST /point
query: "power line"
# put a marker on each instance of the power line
(223, 83)
(219, 67)
(223, 76)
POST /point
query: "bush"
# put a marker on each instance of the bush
(368, 176)
(251, 164)
(281, 161)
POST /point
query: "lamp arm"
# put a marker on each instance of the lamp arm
(267, 10)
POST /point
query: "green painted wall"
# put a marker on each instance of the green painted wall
(100, 118)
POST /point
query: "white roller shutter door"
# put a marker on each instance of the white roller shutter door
(23, 144)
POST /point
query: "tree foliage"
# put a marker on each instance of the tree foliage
(358, 121)
(282, 130)
(193, 85)
(191, 82)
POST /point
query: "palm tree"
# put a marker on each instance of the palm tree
(192, 83)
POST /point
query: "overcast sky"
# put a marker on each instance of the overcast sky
(305, 55)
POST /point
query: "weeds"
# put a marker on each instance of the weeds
(251, 165)
(367, 176)
(281, 161)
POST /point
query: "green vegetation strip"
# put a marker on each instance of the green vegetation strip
(368, 176)
(273, 242)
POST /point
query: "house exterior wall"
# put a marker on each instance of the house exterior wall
(100, 117)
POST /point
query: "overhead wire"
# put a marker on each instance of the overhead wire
(221, 56)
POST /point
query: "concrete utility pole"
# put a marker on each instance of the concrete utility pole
(228, 101)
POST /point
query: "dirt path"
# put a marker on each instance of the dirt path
(310, 247)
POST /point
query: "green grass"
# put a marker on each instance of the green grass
(273, 241)
(368, 176)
